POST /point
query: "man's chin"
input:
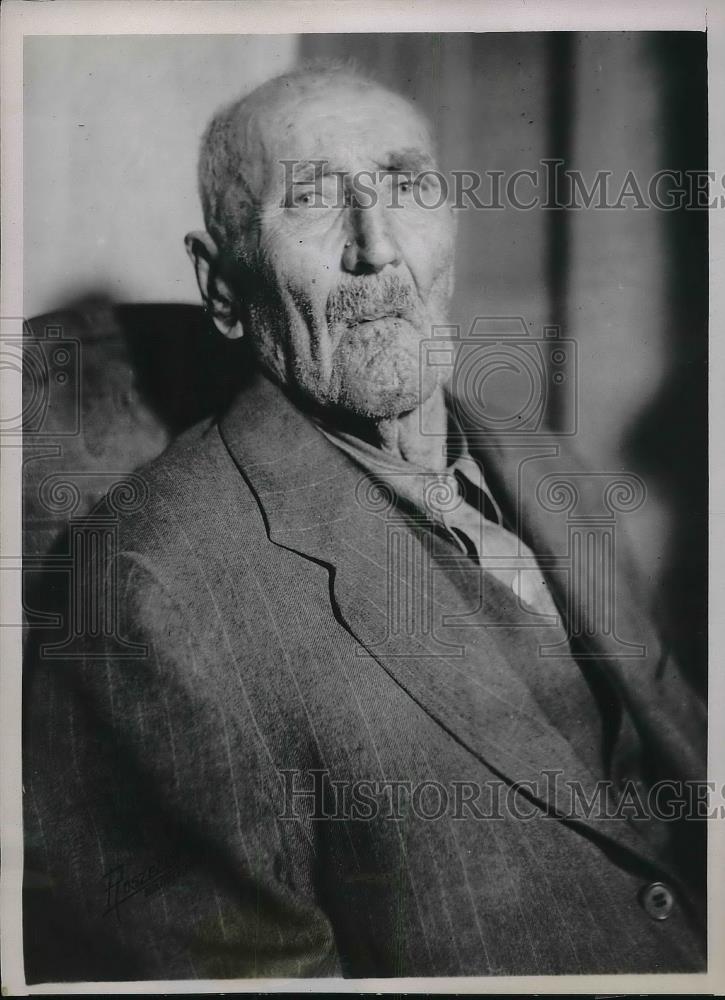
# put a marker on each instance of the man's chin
(378, 370)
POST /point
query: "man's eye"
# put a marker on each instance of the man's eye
(306, 199)
(321, 195)
(406, 186)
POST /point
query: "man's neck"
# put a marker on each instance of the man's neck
(419, 436)
(403, 437)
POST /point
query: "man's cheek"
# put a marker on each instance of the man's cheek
(300, 266)
(310, 295)
(429, 260)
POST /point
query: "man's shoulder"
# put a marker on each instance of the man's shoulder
(196, 458)
(190, 495)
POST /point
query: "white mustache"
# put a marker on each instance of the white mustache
(362, 299)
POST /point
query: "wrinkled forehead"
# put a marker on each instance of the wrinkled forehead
(352, 128)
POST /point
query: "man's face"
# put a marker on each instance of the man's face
(354, 269)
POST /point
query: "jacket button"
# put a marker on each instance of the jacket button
(657, 900)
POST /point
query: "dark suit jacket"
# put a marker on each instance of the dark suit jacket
(240, 644)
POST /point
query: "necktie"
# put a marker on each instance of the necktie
(474, 519)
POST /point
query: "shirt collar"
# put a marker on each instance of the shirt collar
(431, 493)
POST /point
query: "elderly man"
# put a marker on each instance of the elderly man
(347, 723)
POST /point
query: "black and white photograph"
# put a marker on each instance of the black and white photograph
(362, 450)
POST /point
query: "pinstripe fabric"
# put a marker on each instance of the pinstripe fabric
(257, 586)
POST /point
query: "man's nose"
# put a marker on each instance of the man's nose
(370, 246)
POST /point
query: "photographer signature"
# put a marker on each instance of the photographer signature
(122, 886)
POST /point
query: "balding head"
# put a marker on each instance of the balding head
(335, 291)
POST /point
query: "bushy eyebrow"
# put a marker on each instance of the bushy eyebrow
(310, 170)
(413, 160)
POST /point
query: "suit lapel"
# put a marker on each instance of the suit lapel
(389, 594)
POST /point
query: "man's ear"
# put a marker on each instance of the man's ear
(218, 298)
